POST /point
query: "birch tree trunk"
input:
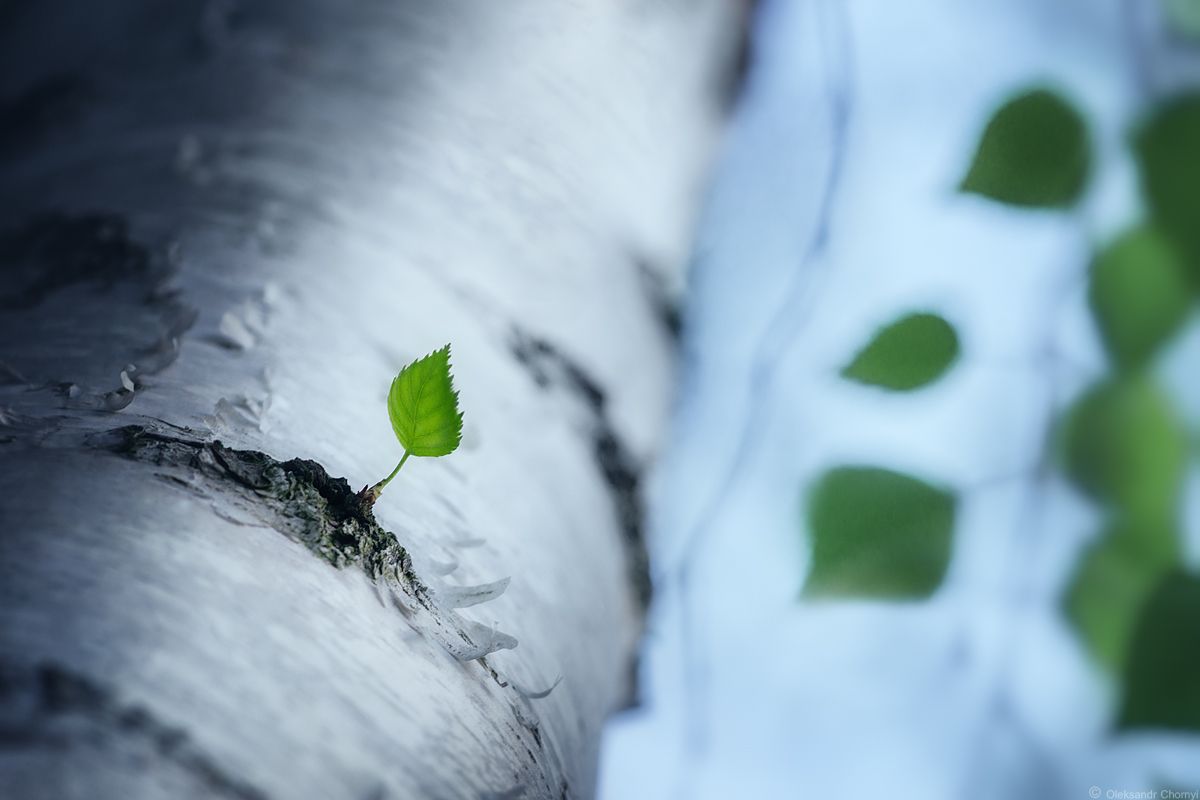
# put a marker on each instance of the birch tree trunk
(226, 227)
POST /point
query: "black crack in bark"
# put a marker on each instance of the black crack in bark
(302, 501)
(548, 366)
(50, 706)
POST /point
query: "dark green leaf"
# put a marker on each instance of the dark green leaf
(1162, 676)
(910, 352)
(1112, 582)
(1034, 152)
(423, 406)
(1168, 150)
(878, 533)
(1139, 292)
(1125, 445)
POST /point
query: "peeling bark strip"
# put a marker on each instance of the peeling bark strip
(224, 226)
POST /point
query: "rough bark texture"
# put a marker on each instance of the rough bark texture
(225, 226)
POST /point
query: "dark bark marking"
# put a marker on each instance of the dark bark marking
(58, 345)
(548, 366)
(40, 111)
(661, 298)
(52, 251)
(45, 704)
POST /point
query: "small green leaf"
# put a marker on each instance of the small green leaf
(877, 533)
(1162, 682)
(423, 406)
(1140, 295)
(1124, 444)
(1113, 580)
(1034, 152)
(1168, 151)
(910, 352)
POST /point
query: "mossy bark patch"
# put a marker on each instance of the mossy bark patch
(302, 500)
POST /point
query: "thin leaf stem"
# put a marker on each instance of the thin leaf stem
(377, 489)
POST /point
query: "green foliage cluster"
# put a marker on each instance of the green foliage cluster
(1123, 444)
(876, 533)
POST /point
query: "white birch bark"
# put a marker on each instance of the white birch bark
(227, 226)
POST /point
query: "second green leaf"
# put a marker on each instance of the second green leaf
(878, 533)
(906, 354)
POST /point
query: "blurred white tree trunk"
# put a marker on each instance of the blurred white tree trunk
(225, 227)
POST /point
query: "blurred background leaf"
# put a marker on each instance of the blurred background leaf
(1034, 152)
(1112, 581)
(1168, 151)
(1183, 16)
(878, 533)
(1161, 689)
(1139, 293)
(910, 352)
(1124, 445)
